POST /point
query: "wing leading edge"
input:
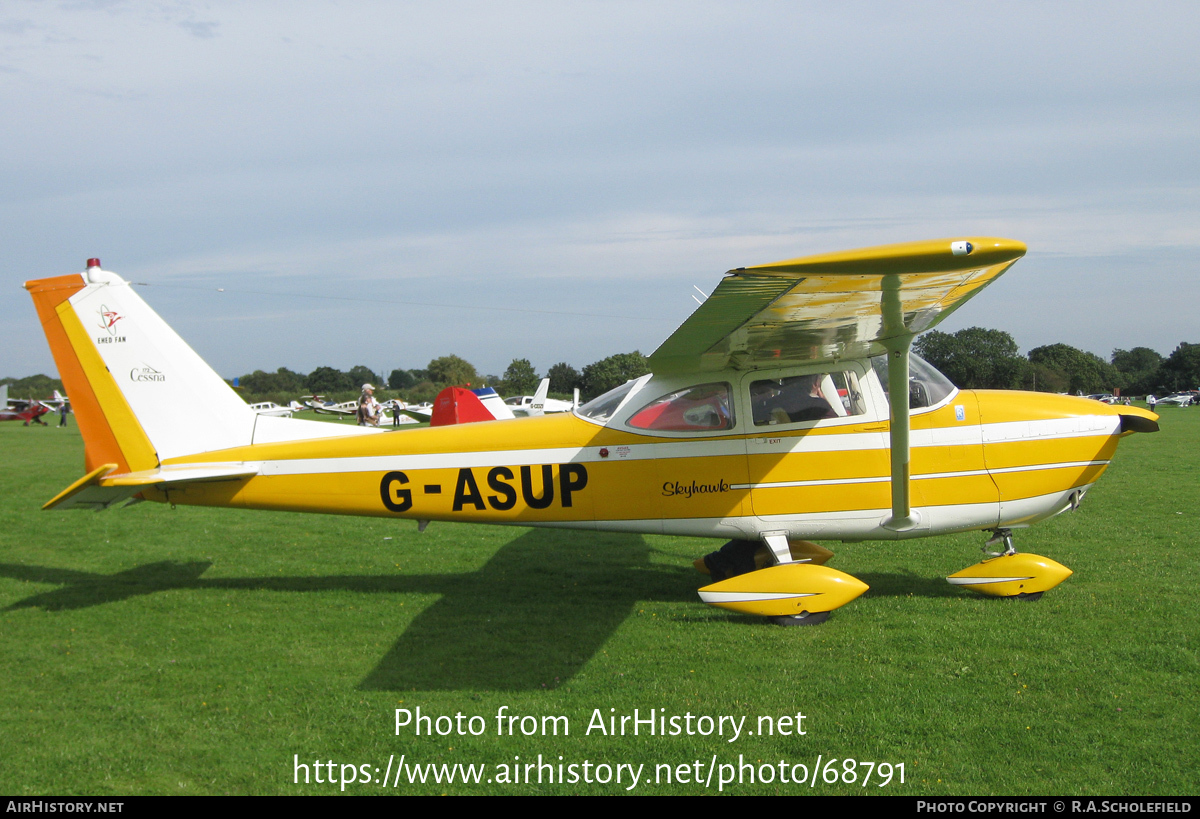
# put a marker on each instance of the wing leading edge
(832, 306)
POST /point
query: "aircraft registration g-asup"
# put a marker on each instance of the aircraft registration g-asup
(766, 422)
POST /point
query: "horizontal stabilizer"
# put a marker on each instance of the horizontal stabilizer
(86, 493)
(184, 473)
(96, 490)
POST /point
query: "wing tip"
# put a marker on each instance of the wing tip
(936, 253)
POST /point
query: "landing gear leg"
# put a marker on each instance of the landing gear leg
(1004, 536)
(1000, 536)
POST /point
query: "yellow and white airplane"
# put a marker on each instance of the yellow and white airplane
(766, 422)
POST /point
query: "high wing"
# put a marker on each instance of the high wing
(832, 306)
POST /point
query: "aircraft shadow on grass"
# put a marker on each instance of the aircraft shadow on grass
(530, 618)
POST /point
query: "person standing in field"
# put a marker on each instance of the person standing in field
(368, 407)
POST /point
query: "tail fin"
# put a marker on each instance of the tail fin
(538, 407)
(458, 405)
(66, 307)
(140, 394)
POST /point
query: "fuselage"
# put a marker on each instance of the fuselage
(704, 455)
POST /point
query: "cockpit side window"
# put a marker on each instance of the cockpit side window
(809, 397)
(702, 408)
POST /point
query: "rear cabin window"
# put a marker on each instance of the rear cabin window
(811, 397)
(703, 408)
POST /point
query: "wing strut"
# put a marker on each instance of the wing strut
(897, 340)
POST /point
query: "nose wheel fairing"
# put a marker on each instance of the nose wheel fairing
(1010, 574)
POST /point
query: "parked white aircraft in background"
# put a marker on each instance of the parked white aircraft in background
(271, 408)
(56, 402)
(538, 403)
(398, 415)
(1177, 399)
(330, 408)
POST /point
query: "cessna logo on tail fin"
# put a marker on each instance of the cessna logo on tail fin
(146, 373)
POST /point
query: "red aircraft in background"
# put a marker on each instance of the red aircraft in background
(19, 409)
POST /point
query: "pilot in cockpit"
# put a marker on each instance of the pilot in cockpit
(790, 400)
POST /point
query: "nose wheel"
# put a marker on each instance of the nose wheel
(813, 618)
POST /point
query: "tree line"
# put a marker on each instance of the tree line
(978, 358)
(974, 358)
(416, 385)
(33, 386)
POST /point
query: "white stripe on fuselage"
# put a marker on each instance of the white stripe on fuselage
(784, 444)
(922, 476)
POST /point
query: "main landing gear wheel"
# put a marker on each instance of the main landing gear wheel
(813, 618)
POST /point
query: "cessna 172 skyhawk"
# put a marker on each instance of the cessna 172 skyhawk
(766, 422)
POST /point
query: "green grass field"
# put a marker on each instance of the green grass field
(195, 651)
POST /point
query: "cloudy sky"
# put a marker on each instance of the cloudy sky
(384, 183)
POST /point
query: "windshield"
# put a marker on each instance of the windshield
(602, 408)
(926, 386)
